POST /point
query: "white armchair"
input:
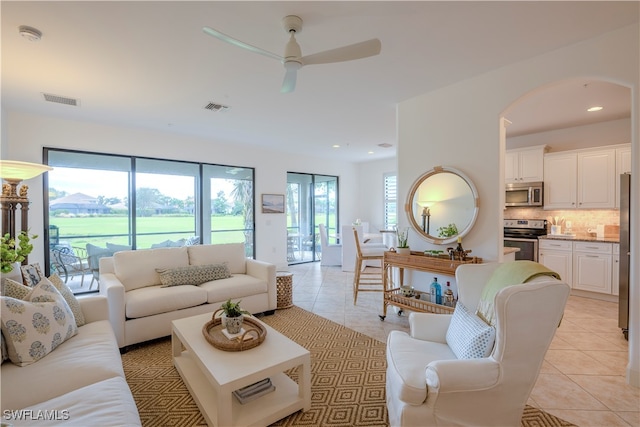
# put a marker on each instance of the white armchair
(427, 385)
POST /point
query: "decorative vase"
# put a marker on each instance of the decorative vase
(233, 324)
(404, 251)
(14, 274)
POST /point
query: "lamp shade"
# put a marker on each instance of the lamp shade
(18, 171)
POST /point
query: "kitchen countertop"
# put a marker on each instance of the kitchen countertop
(582, 237)
(508, 251)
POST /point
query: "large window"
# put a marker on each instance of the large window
(311, 200)
(390, 201)
(99, 204)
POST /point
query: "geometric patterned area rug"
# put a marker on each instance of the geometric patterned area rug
(347, 378)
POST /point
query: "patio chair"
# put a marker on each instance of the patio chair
(67, 263)
(94, 253)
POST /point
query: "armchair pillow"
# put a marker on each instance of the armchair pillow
(34, 328)
(468, 336)
(193, 274)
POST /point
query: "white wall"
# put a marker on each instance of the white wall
(596, 135)
(26, 134)
(458, 126)
(371, 191)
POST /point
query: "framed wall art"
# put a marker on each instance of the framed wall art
(273, 203)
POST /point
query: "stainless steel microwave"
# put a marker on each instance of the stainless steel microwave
(523, 194)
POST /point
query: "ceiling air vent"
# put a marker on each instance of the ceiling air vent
(216, 107)
(61, 99)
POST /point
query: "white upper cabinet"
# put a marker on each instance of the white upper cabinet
(623, 165)
(597, 179)
(560, 172)
(583, 179)
(524, 164)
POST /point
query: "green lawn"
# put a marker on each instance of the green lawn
(99, 230)
(150, 230)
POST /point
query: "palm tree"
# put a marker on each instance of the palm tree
(242, 194)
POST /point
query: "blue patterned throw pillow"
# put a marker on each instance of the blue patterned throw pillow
(34, 327)
(468, 336)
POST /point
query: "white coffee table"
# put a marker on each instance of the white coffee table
(211, 375)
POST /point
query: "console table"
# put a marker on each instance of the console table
(421, 262)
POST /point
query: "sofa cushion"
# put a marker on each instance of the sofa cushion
(231, 253)
(193, 274)
(469, 336)
(90, 356)
(36, 326)
(69, 297)
(235, 287)
(114, 247)
(407, 360)
(169, 244)
(137, 269)
(157, 299)
(107, 402)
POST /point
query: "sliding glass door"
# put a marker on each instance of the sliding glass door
(311, 200)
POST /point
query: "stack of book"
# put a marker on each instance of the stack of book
(253, 391)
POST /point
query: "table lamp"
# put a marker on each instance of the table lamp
(13, 173)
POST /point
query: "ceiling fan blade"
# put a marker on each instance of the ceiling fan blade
(228, 39)
(289, 82)
(346, 53)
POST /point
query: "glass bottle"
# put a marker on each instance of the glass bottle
(436, 292)
(448, 296)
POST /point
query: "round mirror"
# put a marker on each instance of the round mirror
(442, 205)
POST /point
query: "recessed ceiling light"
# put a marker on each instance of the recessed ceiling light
(596, 108)
(30, 33)
(335, 146)
(370, 152)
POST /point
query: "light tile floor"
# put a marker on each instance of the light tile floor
(582, 379)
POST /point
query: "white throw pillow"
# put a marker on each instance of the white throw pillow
(468, 336)
(70, 298)
(34, 328)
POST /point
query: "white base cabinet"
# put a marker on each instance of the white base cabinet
(557, 255)
(585, 266)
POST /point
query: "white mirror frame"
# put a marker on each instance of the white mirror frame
(412, 214)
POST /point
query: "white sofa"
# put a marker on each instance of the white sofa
(141, 308)
(81, 383)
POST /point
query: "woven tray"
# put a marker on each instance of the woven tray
(212, 331)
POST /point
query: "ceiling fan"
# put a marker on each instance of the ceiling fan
(293, 59)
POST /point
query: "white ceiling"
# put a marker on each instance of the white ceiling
(149, 65)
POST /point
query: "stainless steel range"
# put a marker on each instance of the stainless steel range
(523, 234)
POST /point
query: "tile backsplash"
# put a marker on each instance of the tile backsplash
(581, 220)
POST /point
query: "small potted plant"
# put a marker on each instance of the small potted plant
(12, 253)
(403, 241)
(232, 316)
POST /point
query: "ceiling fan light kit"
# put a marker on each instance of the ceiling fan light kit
(293, 59)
